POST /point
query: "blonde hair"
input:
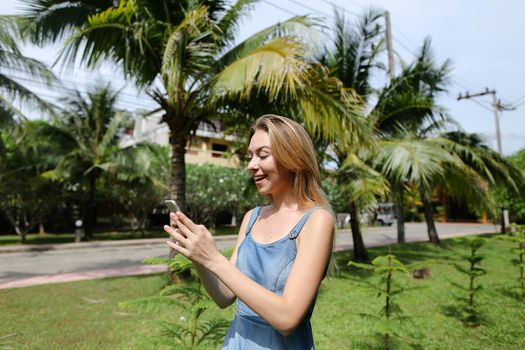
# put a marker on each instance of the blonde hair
(294, 152)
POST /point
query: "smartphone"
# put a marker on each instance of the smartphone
(172, 205)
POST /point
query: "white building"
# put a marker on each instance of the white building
(208, 145)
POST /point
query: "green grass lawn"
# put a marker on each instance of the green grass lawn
(51, 238)
(85, 315)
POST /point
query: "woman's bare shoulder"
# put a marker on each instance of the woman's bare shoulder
(320, 220)
(323, 214)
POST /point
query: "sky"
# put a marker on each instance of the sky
(482, 38)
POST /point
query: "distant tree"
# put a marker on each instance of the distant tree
(213, 189)
(26, 195)
(518, 159)
(88, 131)
(517, 203)
(485, 177)
(140, 181)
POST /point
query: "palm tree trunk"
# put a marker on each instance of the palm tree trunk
(360, 253)
(400, 219)
(178, 170)
(178, 178)
(429, 216)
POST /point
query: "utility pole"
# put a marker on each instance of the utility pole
(397, 187)
(497, 107)
(388, 35)
(496, 104)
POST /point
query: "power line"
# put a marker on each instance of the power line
(342, 8)
(485, 105)
(482, 105)
(519, 101)
(310, 8)
(63, 89)
(279, 8)
(85, 85)
(404, 46)
(405, 37)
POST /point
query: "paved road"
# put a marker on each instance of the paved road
(72, 262)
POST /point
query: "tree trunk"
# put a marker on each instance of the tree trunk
(400, 218)
(360, 253)
(503, 228)
(429, 216)
(21, 233)
(178, 177)
(41, 229)
(178, 170)
(90, 215)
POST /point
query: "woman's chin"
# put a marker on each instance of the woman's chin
(263, 192)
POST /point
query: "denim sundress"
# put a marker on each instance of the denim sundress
(269, 265)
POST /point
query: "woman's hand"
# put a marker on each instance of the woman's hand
(193, 241)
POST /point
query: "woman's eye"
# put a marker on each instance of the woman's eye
(263, 156)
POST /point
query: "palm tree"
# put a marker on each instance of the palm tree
(486, 169)
(184, 53)
(14, 65)
(353, 58)
(88, 132)
(414, 161)
(406, 109)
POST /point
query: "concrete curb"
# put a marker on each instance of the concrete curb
(93, 244)
(81, 276)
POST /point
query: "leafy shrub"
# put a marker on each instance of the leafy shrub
(468, 311)
(386, 335)
(518, 237)
(191, 330)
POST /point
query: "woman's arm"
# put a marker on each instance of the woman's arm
(219, 292)
(283, 312)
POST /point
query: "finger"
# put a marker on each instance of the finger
(186, 231)
(187, 222)
(178, 248)
(172, 220)
(175, 234)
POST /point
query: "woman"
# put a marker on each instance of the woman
(282, 250)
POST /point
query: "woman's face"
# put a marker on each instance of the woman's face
(269, 179)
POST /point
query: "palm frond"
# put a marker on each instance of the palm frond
(228, 24)
(12, 92)
(47, 21)
(297, 27)
(187, 52)
(101, 38)
(416, 161)
(277, 68)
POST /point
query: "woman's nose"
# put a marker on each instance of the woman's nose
(252, 164)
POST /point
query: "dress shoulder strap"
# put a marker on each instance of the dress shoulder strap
(253, 217)
(299, 226)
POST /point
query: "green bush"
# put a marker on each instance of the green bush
(213, 189)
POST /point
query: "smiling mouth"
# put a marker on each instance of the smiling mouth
(259, 178)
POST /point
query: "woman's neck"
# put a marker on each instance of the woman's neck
(285, 201)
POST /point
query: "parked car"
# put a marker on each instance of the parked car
(384, 214)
